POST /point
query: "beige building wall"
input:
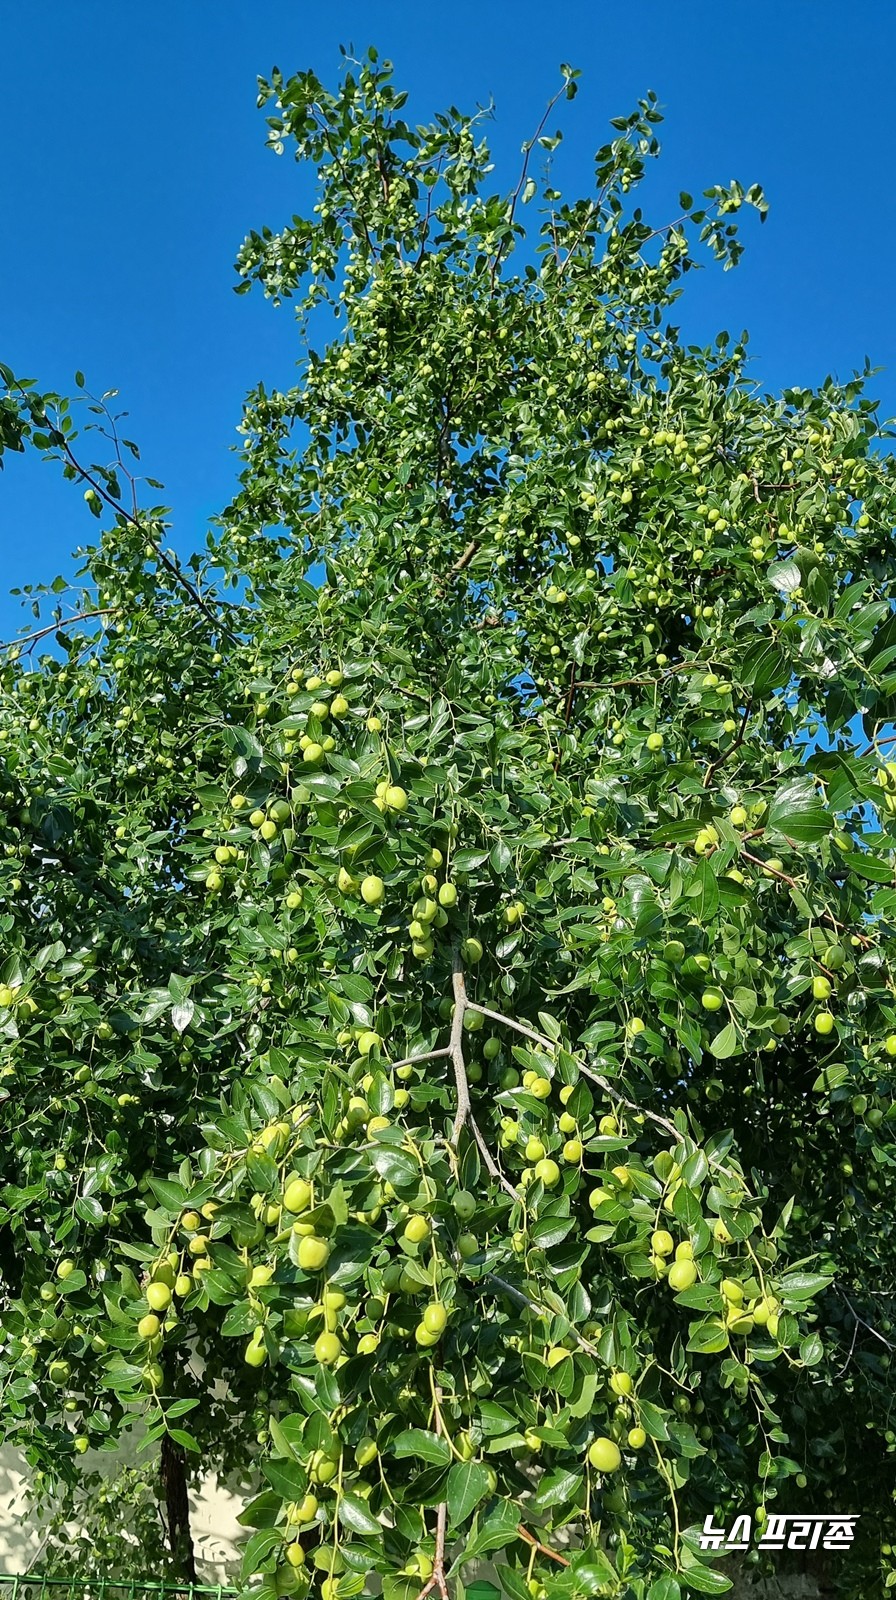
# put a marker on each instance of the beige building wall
(213, 1510)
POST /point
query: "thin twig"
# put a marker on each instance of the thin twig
(784, 877)
(59, 442)
(865, 1324)
(592, 211)
(543, 1549)
(637, 683)
(735, 744)
(855, 1335)
(436, 1579)
(320, 122)
(490, 1162)
(529, 147)
(571, 694)
(513, 1293)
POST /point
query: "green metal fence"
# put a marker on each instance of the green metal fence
(35, 1587)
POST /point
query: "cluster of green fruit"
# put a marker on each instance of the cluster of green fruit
(432, 903)
(534, 1145)
(310, 1250)
(271, 818)
(174, 1275)
(267, 821)
(661, 583)
(330, 1327)
(315, 744)
(430, 908)
(741, 1278)
(390, 797)
(524, 1137)
(358, 1113)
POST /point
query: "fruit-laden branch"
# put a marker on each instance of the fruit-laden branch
(464, 1114)
(595, 1077)
(437, 1579)
(608, 1088)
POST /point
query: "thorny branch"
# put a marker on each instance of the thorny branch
(543, 1549)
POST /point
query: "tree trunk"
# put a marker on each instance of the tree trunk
(177, 1508)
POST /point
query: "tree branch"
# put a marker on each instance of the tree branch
(511, 1022)
(456, 1047)
(735, 744)
(464, 1113)
(529, 147)
(412, 1061)
(54, 627)
(543, 1549)
(521, 1299)
(465, 559)
(490, 1162)
(784, 877)
(171, 566)
(642, 682)
(437, 1578)
(595, 1077)
(570, 696)
(611, 1089)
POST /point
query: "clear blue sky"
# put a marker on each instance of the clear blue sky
(135, 163)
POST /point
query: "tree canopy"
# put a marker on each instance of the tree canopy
(447, 1027)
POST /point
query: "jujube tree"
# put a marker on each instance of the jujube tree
(447, 1004)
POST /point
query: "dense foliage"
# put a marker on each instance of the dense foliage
(447, 1008)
